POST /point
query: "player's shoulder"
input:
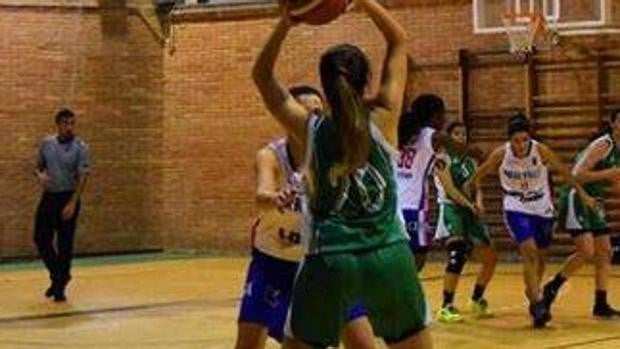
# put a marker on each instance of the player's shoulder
(48, 139)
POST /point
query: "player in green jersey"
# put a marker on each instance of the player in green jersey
(598, 167)
(357, 244)
(460, 230)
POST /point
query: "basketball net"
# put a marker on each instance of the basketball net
(526, 31)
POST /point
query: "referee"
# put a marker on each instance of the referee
(62, 167)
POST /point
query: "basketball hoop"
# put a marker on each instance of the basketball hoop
(525, 31)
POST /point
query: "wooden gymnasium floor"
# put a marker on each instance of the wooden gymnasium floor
(160, 302)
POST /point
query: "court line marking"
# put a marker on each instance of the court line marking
(127, 308)
(581, 343)
(148, 306)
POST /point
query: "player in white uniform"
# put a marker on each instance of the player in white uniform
(276, 244)
(528, 202)
(418, 140)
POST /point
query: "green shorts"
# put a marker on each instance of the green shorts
(578, 219)
(455, 221)
(384, 280)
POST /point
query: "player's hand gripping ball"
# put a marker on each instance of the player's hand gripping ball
(315, 12)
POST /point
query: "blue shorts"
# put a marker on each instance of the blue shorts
(417, 228)
(523, 226)
(267, 294)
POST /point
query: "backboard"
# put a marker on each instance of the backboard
(567, 17)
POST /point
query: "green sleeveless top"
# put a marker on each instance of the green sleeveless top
(612, 159)
(360, 211)
(461, 168)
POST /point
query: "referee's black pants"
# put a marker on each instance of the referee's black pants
(49, 224)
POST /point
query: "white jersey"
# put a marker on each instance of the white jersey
(278, 233)
(413, 171)
(526, 183)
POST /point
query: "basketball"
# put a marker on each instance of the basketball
(317, 12)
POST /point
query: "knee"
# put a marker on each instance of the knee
(457, 257)
(490, 256)
(585, 254)
(530, 255)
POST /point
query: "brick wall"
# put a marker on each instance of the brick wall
(174, 134)
(211, 102)
(215, 121)
(49, 50)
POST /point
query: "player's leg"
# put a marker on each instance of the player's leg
(523, 229)
(418, 239)
(584, 252)
(358, 333)
(576, 220)
(602, 265)
(479, 236)
(395, 298)
(325, 288)
(265, 302)
(450, 230)
(487, 255)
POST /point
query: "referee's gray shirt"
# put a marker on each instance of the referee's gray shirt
(63, 163)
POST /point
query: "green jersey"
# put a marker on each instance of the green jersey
(612, 159)
(360, 211)
(461, 169)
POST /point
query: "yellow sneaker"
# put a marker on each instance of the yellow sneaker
(449, 315)
(480, 308)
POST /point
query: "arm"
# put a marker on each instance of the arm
(443, 174)
(40, 168)
(388, 102)
(479, 205)
(479, 198)
(269, 195)
(584, 171)
(81, 183)
(288, 112)
(549, 156)
(83, 169)
(490, 165)
(69, 210)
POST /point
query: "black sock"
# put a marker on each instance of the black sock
(478, 292)
(600, 298)
(448, 298)
(557, 282)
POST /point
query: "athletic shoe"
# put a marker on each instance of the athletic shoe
(449, 314)
(480, 308)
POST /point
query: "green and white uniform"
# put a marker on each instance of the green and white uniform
(576, 217)
(455, 220)
(358, 249)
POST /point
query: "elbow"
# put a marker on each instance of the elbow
(261, 196)
(398, 37)
(257, 75)
(260, 74)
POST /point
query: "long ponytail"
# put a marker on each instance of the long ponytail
(345, 72)
(353, 129)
